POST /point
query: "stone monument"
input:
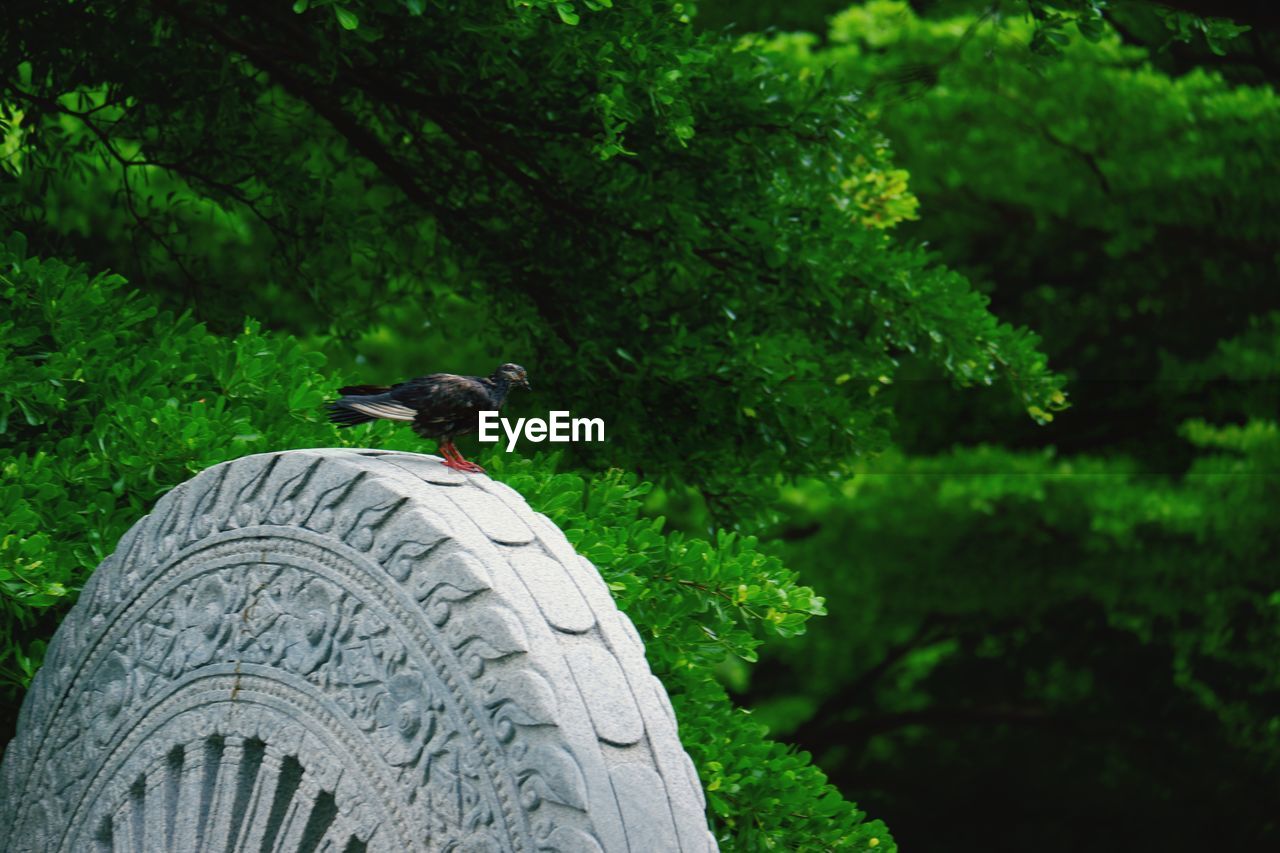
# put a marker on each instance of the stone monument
(339, 650)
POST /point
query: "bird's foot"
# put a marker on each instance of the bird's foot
(460, 464)
(453, 459)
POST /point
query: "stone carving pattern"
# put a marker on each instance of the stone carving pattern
(427, 651)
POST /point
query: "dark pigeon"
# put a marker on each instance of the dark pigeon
(440, 406)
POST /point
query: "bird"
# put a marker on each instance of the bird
(442, 406)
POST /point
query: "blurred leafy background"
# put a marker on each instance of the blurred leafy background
(812, 262)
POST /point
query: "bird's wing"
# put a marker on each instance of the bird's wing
(376, 408)
(442, 397)
(361, 403)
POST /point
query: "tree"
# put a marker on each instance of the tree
(765, 259)
(1090, 616)
(107, 403)
(667, 224)
(662, 220)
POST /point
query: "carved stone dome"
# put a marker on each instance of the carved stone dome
(332, 650)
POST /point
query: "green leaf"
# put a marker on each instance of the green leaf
(566, 13)
(346, 18)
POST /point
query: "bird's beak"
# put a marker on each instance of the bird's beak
(524, 383)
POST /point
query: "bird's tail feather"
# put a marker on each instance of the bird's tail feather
(343, 416)
(353, 409)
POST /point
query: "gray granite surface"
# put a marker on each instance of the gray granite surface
(338, 650)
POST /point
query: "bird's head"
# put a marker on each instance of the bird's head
(514, 374)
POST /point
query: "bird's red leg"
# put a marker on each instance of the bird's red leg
(450, 454)
(453, 459)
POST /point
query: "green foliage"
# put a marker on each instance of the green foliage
(765, 259)
(1132, 244)
(1216, 32)
(1053, 18)
(1094, 622)
(655, 219)
(1066, 524)
(1054, 23)
(107, 403)
(1077, 594)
